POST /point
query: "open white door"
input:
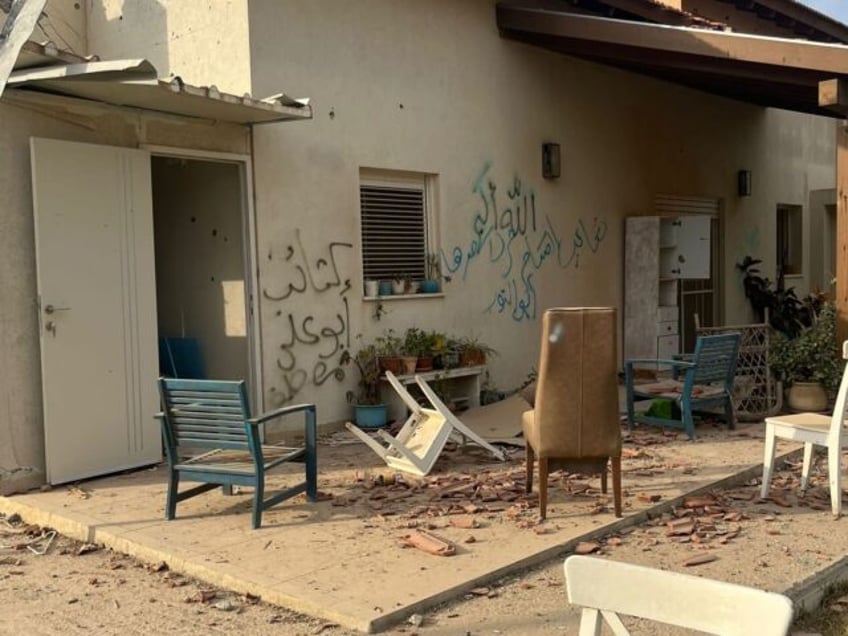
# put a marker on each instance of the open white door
(97, 304)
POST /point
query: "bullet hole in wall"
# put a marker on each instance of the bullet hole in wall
(194, 219)
(214, 232)
(332, 113)
(400, 106)
(212, 279)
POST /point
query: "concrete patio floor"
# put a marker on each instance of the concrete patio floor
(342, 559)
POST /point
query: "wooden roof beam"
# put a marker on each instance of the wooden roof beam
(707, 44)
(833, 95)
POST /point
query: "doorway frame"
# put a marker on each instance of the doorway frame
(251, 265)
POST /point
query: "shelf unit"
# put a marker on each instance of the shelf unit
(659, 251)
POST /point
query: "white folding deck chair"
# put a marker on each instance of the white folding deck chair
(605, 589)
(424, 434)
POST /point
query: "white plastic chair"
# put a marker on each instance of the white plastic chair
(812, 429)
(605, 589)
(419, 443)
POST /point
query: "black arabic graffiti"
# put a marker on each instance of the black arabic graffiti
(323, 341)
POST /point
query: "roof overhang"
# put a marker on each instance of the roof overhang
(133, 84)
(776, 72)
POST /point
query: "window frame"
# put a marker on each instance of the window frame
(385, 178)
(789, 239)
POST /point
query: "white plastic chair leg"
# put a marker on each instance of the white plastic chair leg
(768, 461)
(590, 622)
(805, 469)
(834, 473)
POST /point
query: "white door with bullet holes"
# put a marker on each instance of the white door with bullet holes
(97, 307)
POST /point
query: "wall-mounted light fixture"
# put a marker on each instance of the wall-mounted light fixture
(743, 183)
(550, 160)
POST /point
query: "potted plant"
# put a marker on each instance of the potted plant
(399, 284)
(372, 288)
(388, 347)
(370, 412)
(473, 352)
(432, 283)
(809, 364)
(419, 343)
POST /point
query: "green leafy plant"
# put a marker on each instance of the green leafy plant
(388, 344)
(366, 361)
(473, 351)
(785, 311)
(813, 355)
(418, 343)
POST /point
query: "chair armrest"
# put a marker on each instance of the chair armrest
(670, 363)
(286, 410)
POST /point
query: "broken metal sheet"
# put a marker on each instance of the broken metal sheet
(112, 70)
(33, 54)
(173, 97)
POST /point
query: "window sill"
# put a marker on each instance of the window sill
(402, 297)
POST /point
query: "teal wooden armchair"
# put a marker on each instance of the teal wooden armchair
(704, 381)
(211, 438)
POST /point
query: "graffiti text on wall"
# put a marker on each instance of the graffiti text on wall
(311, 346)
(509, 233)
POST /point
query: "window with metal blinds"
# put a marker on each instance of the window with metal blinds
(394, 231)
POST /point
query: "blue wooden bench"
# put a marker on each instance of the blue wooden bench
(210, 437)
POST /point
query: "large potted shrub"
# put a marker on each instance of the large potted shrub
(809, 364)
(370, 411)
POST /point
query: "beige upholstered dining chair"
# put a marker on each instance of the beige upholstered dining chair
(574, 423)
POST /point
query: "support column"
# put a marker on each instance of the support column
(842, 231)
(833, 95)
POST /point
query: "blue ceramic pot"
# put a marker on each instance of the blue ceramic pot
(429, 287)
(371, 415)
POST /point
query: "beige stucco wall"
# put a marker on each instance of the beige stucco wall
(21, 433)
(432, 88)
(205, 43)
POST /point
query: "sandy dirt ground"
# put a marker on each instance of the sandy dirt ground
(52, 585)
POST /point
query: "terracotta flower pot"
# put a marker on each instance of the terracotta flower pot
(409, 364)
(391, 363)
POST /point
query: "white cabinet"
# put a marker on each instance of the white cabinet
(658, 252)
(685, 247)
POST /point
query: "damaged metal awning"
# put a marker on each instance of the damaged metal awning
(134, 84)
(768, 71)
